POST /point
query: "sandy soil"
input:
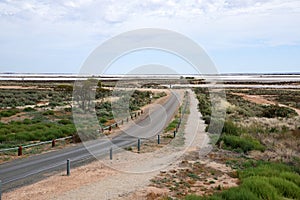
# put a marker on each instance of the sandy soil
(17, 87)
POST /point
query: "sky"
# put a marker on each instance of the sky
(240, 36)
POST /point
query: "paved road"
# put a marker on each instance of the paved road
(28, 170)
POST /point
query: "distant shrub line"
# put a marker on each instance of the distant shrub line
(287, 97)
(14, 98)
(246, 108)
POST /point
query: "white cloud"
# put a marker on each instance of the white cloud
(217, 22)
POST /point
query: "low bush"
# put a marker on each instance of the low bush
(172, 125)
(272, 111)
(230, 128)
(27, 121)
(8, 113)
(260, 187)
(32, 130)
(266, 170)
(290, 176)
(238, 194)
(261, 180)
(48, 112)
(238, 143)
(102, 120)
(28, 109)
(204, 104)
(285, 188)
(65, 121)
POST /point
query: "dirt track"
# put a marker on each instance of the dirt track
(260, 100)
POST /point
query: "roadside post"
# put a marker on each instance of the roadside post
(111, 153)
(158, 139)
(174, 134)
(53, 143)
(20, 151)
(139, 145)
(68, 167)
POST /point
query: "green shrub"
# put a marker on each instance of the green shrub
(22, 136)
(28, 109)
(261, 180)
(239, 143)
(265, 170)
(285, 188)
(103, 120)
(291, 176)
(244, 108)
(9, 113)
(231, 129)
(240, 193)
(37, 119)
(272, 111)
(172, 125)
(260, 187)
(64, 121)
(27, 121)
(48, 112)
(68, 130)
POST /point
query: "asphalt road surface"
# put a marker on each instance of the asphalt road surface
(28, 170)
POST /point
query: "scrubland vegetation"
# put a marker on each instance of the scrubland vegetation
(288, 97)
(268, 173)
(261, 180)
(29, 116)
(259, 142)
(256, 154)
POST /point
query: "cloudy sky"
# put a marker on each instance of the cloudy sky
(238, 35)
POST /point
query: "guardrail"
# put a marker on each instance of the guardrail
(139, 140)
(158, 137)
(109, 128)
(53, 142)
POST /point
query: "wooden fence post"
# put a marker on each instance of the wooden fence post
(20, 151)
(53, 143)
